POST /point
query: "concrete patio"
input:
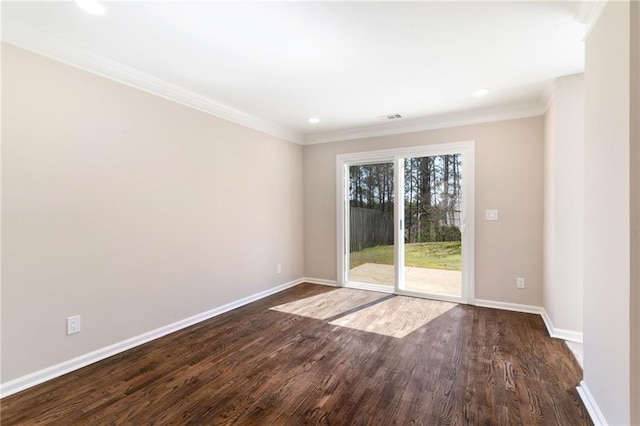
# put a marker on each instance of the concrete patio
(423, 280)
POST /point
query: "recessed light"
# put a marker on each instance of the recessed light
(314, 120)
(481, 92)
(91, 6)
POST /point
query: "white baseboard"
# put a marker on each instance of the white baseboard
(559, 333)
(577, 350)
(527, 309)
(41, 376)
(321, 281)
(590, 404)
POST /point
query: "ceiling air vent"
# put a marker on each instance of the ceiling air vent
(391, 116)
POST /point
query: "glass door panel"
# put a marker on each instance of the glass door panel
(432, 225)
(370, 224)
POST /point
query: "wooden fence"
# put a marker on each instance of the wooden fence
(369, 228)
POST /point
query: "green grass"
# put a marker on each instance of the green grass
(421, 255)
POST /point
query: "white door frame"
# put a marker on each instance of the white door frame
(343, 161)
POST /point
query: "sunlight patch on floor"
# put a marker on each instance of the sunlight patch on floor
(394, 316)
(330, 304)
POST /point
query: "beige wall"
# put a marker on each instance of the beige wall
(130, 210)
(563, 194)
(635, 212)
(508, 178)
(609, 329)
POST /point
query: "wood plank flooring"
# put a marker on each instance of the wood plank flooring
(262, 366)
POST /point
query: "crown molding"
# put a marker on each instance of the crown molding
(63, 50)
(442, 121)
(589, 14)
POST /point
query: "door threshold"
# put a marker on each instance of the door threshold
(371, 287)
(389, 290)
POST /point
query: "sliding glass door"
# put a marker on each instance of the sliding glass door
(402, 221)
(371, 224)
(432, 255)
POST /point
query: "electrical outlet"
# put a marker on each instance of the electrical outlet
(279, 268)
(520, 282)
(491, 214)
(73, 324)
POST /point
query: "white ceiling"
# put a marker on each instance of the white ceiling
(272, 65)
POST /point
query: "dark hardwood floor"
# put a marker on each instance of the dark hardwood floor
(261, 366)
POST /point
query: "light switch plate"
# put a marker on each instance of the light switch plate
(491, 214)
